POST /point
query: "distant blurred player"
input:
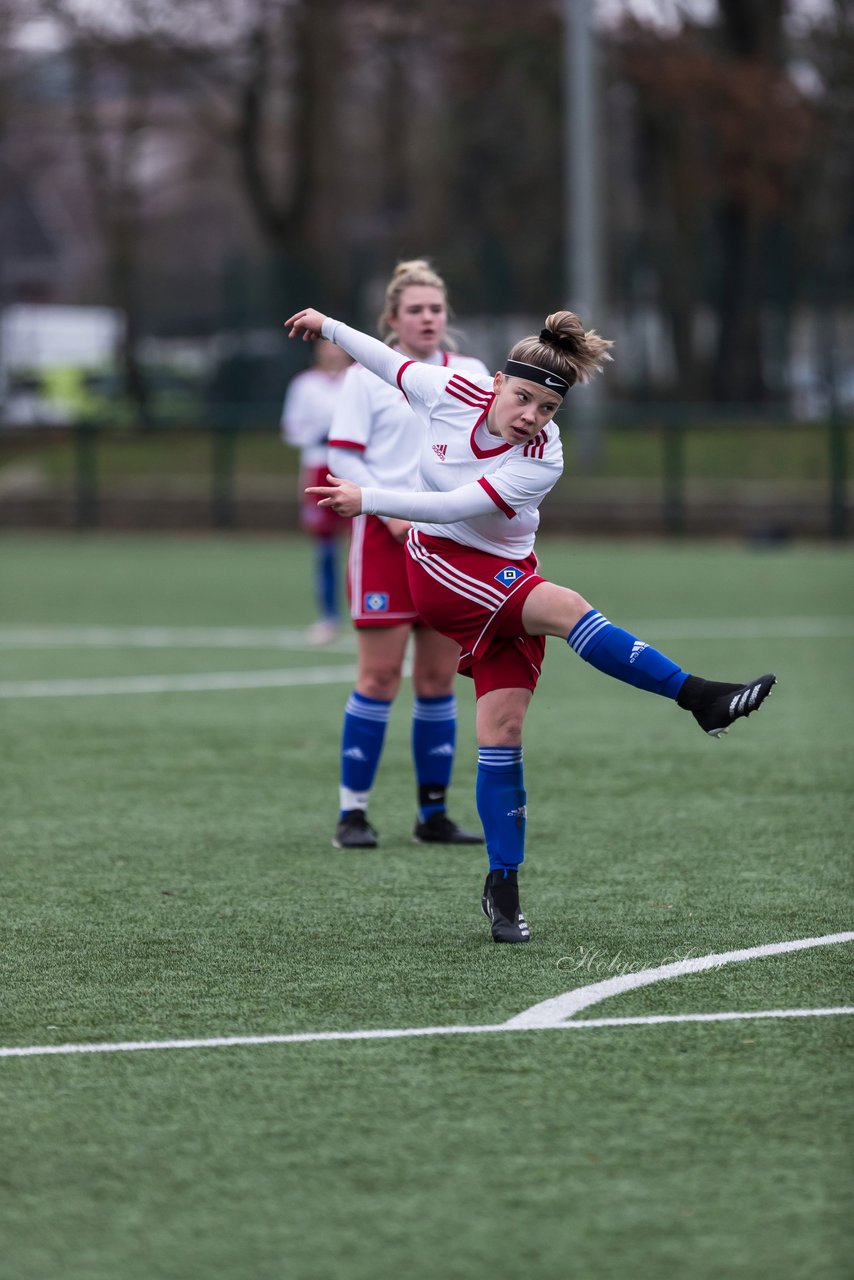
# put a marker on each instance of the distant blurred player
(306, 418)
(375, 440)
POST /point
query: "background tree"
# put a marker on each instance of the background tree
(109, 103)
(725, 138)
(239, 153)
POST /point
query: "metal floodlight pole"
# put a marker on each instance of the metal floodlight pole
(582, 207)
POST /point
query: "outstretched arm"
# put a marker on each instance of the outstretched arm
(347, 499)
(370, 352)
(349, 466)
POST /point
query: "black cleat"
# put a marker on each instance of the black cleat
(440, 829)
(728, 703)
(354, 832)
(500, 903)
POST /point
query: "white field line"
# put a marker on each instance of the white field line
(287, 679)
(230, 1042)
(794, 628)
(103, 637)
(654, 1019)
(78, 637)
(283, 638)
(551, 1012)
(584, 997)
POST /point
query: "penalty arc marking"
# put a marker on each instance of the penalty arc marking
(549, 1015)
(556, 1011)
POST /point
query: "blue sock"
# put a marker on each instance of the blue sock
(624, 657)
(325, 579)
(434, 742)
(501, 805)
(362, 738)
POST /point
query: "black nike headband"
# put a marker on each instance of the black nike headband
(533, 373)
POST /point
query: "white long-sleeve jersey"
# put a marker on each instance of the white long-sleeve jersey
(308, 411)
(372, 441)
(471, 486)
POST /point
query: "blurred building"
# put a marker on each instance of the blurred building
(29, 255)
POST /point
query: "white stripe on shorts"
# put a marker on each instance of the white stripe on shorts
(357, 539)
(462, 584)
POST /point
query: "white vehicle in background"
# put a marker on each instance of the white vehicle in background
(46, 353)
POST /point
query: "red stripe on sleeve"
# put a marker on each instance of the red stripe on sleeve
(346, 444)
(475, 404)
(471, 387)
(497, 498)
(401, 371)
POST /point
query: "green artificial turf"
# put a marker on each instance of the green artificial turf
(168, 874)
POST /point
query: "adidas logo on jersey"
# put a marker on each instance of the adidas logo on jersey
(440, 450)
(637, 649)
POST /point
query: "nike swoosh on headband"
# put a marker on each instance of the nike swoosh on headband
(534, 373)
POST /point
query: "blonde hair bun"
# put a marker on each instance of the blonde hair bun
(564, 347)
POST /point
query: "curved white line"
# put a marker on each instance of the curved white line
(514, 1024)
(555, 1011)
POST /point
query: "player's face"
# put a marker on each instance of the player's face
(329, 358)
(520, 409)
(420, 320)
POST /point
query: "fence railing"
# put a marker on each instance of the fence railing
(665, 469)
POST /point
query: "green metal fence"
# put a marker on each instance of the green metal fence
(669, 470)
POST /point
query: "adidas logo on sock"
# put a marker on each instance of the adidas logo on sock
(354, 753)
(444, 749)
(637, 649)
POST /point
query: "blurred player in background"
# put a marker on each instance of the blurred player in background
(306, 419)
(373, 443)
(490, 453)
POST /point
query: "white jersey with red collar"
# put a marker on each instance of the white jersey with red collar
(457, 449)
(373, 420)
(307, 413)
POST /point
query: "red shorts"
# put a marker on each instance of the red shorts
(318, 521)
(476, 599)
(377, 582)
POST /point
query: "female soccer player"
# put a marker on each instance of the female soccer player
(306, 419)
(490, 453)
(374, 442)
